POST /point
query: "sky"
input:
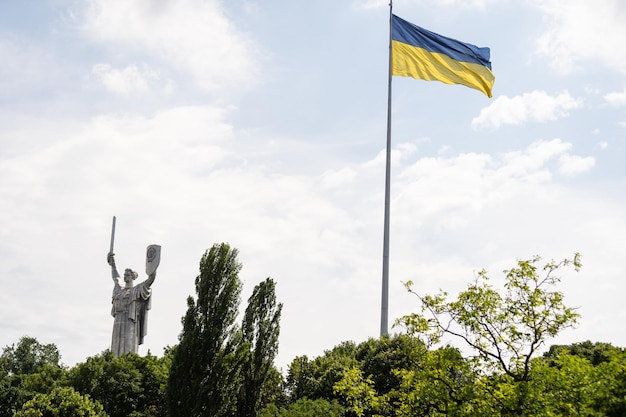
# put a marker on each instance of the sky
(263, 124)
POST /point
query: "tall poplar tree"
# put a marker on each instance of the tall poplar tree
(204, 377)
(260, 331)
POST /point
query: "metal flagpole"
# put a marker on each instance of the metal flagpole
(384, 309)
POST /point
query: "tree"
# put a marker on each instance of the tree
(273, 389)
(29, 355)
(130, 385)
(61, 402)
(26, 369)
(568, 386)
(204, 376)
(260, 331)
(8, 392)
(611, 399)
(398, 376)
(316, 378)
(506, 330)
(305, 407)
(598, 371)
(596, 353)
(379, 358)
(357, 392)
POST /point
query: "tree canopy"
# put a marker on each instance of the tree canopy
(61, 402)
(221, 368)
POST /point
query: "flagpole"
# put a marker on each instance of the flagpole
(384, 309)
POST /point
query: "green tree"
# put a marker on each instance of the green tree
(611, 399)
(357, 392)
(260, 331)
(27, 368)
(300, 379)
(444, 383)
(379, 358)
(29, 355)
(567, 388)
(205, 371)
(411, 380)
(596, 353)
(8, 391)
(600, 372)
(316, 378)
(505, 330)
(273, 390)
(130, 385)
(305, 407)
(61, 402)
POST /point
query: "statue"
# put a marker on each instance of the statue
(131, 302)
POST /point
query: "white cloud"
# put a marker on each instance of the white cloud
(574, 164)
(537, 106)
(13, 58)
(616, 98)
(125, 81)
(193, 36)
(338, 178)
(25, 66)
(371, 4)
(461, 186)
(466, 3)
(583, 30)
(531, 163)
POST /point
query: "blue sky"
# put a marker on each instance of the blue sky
(263, 124)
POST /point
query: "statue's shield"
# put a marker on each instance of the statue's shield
(153, 257)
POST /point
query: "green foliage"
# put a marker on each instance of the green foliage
(316, 378)
(26, 369)
(272, 390)
(596, 353)
(130, 385)
(29, 355)
(305, 407)
(8, 392)
(568, 387)
(505, 330)
(599, 369)
(300, 379)
(611, 399)
(260, 331)
(357, 392)
(61, 402)
(443, 383)
(412, 380)
(219, 369)
(378, 358)
(203, 379)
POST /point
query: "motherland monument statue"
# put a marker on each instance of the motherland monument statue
(131, 302)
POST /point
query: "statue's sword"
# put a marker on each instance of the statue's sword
(112, 235)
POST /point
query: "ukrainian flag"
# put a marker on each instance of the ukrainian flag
(421, 54)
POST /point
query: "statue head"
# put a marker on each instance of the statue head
(130, 276)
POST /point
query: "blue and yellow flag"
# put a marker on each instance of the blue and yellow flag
(421, 54)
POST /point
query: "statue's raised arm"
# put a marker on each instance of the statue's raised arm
(111, 261)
